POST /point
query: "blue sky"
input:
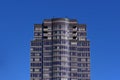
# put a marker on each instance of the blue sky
(17, 18)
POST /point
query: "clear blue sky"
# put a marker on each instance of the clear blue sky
(16, 31)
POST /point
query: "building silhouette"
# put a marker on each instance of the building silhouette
(60, 51)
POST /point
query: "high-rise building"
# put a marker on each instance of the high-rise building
(60, 51)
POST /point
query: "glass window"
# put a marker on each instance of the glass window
(36, 43)
(35, 64)
(34, 75)
(47, 63)
(36, 49)
(83, 49)
(38, 28)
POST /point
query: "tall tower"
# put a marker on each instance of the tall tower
(60, 51)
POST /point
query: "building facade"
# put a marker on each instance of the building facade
(60, 51)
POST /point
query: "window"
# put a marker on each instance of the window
(73, 53)
(45, 32)
(32, 59)
(45, 37)
(45, 26)
(84, 70)
(34, 75)
(83, 59)
(82, 34)
(83, 43)
(79, 59)
(73, 59)
(45, 75)
(48, 53)
(49, 38)
(38, 28)
(74, 32)
(64, 58)
(74, 37)
(64, 79)
(73, 69)
(83, 54)
(38, 34)
(37, 59)
(36, 43)
(31, 70)
(74, 26)
(64, 37)
(45, 69)
(73, 64)
(81, 29)
(47, 58)
(47, 48)
(73, 48)
(35, 64)
(83, 49)
(83, 64)
(35, 54)
(73, 43)
(47, 64)
(82, 38)
(74, 74)
(47, 43)
(59, 26)
(37, 70)
(49, 32)
(36, 49)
